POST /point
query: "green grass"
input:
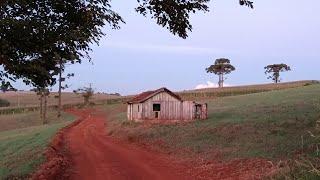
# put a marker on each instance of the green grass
(21, 150)
(211, 93)
(269, 125)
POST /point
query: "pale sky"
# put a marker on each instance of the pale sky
(143, 56)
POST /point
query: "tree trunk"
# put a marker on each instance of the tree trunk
(45, 110)
(41, 107)
(222, 80)
(60, 82)
(276, 76)
(220, 83)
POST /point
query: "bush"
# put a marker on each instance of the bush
(4, 103)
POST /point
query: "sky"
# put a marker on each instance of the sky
(143, 56)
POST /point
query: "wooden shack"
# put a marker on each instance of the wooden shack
(162, 104)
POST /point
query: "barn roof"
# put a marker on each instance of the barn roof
(149, 94)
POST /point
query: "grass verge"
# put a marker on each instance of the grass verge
(21, 150)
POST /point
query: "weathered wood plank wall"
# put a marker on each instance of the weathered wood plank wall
(171, 109)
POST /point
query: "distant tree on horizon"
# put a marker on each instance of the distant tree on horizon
(221, 67)
(86, 92)
(274, 71)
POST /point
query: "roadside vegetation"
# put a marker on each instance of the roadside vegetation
(276, 125)
(23, 140)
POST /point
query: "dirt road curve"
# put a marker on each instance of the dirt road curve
(83, 151)
(95, 156)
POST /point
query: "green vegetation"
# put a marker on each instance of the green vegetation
(21, 150)
(4, 103)
(221, 67)
(274, 125)
(212, 93)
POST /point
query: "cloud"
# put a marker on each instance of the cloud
(210, 84)
(140, 47)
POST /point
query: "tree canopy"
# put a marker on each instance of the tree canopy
(36, 34)
(174, 14)
(221, 67)
(275, 69)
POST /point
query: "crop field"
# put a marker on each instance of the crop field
(27, 99)
(23, 139)
(276, 125)
(210, 93)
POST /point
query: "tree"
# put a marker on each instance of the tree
(174, 14)
(221, 67)
(275, 69)
(60, 87)
(36, 35)
(86, 92)
(43, 94)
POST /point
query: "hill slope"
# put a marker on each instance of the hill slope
(273, 125)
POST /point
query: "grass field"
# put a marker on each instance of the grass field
(23, 140)
(274, 125)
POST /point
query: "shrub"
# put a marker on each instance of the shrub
(4, 103)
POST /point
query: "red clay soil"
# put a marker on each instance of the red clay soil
(83, 150)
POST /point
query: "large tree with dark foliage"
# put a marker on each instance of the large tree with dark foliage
(35, 35)
(174, 14)
(274, 71)
(221, 67)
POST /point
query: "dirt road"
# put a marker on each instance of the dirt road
(83, 151)
(96, 156)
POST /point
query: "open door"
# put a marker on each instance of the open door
(198, 111)
(156, 110)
